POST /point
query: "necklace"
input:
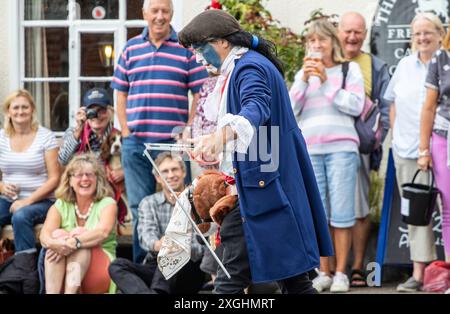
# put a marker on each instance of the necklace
(80, 215)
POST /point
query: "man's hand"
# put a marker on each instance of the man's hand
(125, 132)
(158, 244)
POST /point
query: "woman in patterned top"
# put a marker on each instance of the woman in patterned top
(30, 172)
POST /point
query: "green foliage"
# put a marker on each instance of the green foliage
(255, 18)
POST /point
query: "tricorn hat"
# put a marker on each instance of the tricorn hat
(208, 25)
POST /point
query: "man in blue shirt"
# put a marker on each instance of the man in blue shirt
(152, 78)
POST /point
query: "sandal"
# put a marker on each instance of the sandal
(358, 279)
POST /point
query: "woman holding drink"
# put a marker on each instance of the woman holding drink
(325, 112)
(29, 168)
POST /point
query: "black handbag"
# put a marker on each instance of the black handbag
(418, 202)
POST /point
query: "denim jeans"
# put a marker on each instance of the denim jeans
(336, 178)
(139, 182)
(23, 221)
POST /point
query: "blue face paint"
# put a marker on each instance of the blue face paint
(209, 54)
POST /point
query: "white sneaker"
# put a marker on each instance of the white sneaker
(340, 283)
(322, 282)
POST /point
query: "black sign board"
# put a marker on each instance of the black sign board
(393, 243)
(391, 34)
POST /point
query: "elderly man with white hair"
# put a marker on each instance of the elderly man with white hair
(352, 32)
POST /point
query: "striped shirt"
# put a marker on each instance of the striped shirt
(325, 112)
(26, 169)
(154, 216)
(70, 145)
(157, 81)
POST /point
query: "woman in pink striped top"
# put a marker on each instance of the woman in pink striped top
(325, 112)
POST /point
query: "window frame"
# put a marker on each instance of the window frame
(118, 27)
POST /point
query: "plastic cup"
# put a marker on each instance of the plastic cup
(314, 56)
(16, 191)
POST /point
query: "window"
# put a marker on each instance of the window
(69, 46)
(45, 9)
(66, 47)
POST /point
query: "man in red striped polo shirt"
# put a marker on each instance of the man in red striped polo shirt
(152, 78)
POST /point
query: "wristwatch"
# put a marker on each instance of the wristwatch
(78, 243)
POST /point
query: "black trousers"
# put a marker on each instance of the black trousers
(132, 278)
(235, 260)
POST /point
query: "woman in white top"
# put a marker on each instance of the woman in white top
(29, 167)
(406, 92)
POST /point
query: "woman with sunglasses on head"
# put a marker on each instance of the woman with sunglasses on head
(79, 232)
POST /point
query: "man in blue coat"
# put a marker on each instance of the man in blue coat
(278, 230)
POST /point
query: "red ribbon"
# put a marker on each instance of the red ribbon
(229, 180)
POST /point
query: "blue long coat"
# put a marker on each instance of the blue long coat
(284, 221)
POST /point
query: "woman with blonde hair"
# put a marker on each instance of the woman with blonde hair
(434, 146)
(79, 232)
(29, 168)
(406, 92)
(325, 107)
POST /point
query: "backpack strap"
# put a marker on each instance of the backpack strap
(344, 73)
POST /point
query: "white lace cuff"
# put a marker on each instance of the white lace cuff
(243, 129)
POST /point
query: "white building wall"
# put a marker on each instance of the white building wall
(291, 13)
(6, 51)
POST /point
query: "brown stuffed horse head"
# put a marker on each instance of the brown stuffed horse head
(210, 196)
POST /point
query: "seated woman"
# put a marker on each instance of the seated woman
(94, 132)
(30, 172)
(79, 232)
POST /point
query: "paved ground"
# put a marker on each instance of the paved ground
(384, 289)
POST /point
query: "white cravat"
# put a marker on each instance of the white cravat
(215, 98)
